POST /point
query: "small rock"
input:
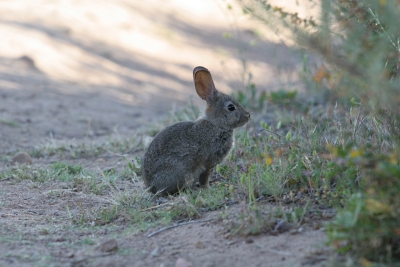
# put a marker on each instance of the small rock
(199, 245)
(282, 226)
(101, 160)
(60, 239)
(21, 158)
(156, 252)
(227, 235)
(64, 253)
(249, 240)
(230, 243)
(63, 185)
(108, 246)
(293, 231)
(316, 225)
(181, 262)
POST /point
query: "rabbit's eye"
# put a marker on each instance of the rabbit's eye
(231, 107)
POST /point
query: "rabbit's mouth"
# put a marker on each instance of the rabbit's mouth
(245, 119)
(239, 122)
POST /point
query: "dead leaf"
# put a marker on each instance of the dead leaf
(321, 74)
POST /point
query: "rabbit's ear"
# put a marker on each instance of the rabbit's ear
(204, 83)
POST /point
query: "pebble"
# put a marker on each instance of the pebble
(21, 158)
(108, 246)
(181, 262)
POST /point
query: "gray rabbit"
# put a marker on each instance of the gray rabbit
(186, 153)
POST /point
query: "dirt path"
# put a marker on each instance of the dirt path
(85, 71)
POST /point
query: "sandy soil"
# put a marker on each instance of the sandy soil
(82, 71)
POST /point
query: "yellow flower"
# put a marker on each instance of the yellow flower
(375, 206)
(393, 158)
(354, 153)
(269, 160)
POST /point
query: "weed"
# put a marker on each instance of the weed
(107, 215)
(88, 241)
(250, 220)
(61, 168)
(9, 122)
(371, 216)
(132, 170)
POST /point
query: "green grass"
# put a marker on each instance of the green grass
(114, 144)
(9, 122)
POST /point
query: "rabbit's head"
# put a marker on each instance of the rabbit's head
(222, 110)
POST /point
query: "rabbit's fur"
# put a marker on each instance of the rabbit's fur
(187, 152)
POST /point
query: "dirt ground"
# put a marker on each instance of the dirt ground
(82, 71)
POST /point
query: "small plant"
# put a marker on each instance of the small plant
(9, 122)
(133, 169)
(60, 168)
(282, 97)
(250, 220)
(107, 215)
(369, 224)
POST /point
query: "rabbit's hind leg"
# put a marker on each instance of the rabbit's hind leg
(167, 182)
(204, 178)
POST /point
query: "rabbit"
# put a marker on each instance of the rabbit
(186, 153)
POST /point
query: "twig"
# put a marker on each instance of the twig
(283, 253)
(62, 191)
(382, 28)
(278, 252)
(5, 179)
(91, 257)
(254, 131)
(178, 224)
(274, 132)
(258, 199)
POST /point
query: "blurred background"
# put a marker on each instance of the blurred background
(73, 69)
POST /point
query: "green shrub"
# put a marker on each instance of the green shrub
(369, 226)
(355, 155)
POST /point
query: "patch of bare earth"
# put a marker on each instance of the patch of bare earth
(36, 226)
(84, 72)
